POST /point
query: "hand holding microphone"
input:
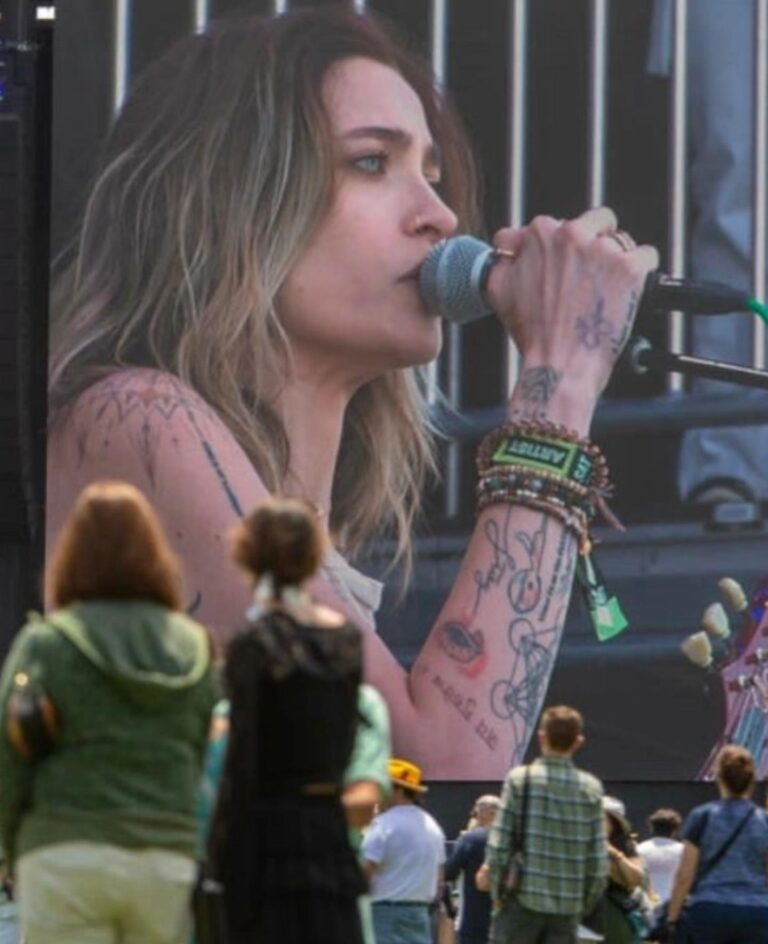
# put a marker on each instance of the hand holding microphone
(568, 299)
(455, 277)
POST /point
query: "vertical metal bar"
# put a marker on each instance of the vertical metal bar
(437, 55)
(760, 209)
(360, 5)
(121, 38)
(202, 15)
(279, 6)
(453, 363)
(597, 101)
(518, 71)
(678, 174)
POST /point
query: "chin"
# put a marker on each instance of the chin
(419, 343)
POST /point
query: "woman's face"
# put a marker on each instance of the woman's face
(352, 303)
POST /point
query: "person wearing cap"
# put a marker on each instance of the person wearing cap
(403, 854)
(556, 810)
(467, 857)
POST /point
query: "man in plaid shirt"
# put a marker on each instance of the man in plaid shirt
(563, 841)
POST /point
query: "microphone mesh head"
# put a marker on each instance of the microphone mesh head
(451, 277)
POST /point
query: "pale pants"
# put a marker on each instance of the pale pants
(90, 893)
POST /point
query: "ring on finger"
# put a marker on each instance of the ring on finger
(622, 239)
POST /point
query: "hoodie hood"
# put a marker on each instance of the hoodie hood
(149, 651)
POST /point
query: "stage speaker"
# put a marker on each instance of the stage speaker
(25, 120)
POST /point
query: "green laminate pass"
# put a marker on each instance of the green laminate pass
(561, 458)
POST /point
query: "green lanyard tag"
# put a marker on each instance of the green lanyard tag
(605, 611)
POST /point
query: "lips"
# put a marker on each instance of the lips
(413, 274)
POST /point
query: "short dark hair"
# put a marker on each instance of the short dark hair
(281, 537)
(664, 822)
(561, 726)
(736, 768)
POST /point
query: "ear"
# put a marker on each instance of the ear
(578, 742)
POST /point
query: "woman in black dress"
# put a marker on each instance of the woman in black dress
(279, 841)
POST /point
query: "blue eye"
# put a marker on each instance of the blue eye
(372, 163)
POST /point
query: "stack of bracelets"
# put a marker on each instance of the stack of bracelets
(545, 467)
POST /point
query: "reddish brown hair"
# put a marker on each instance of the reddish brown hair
(281, 537)
(562, 726)
(112, 547)
(736, 768)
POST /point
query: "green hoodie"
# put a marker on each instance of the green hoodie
(133, 689)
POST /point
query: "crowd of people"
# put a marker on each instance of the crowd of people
(144, 800)
(242, 319)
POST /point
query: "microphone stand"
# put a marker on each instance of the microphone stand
(641, 357)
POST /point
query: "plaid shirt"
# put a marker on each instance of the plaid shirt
(564, 848)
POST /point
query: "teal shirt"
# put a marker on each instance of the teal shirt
(370, 754)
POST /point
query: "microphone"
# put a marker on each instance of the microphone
(453, 277)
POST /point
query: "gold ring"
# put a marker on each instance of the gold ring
(622, 239)
(505, 254)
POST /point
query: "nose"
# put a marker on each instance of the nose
(430, 215)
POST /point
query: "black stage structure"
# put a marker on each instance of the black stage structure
(665, 567)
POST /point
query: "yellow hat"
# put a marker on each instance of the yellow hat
(405, 774)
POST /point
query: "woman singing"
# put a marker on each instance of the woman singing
(242, 317)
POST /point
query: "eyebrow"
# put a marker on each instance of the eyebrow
(395, 136)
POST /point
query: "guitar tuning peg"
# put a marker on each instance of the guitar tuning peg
(698, 649)
(715, 621)
(733, 594)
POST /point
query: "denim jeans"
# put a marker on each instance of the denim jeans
(402, 923)
(712, 922)
(9, 924)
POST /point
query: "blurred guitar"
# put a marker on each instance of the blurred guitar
(739, 654)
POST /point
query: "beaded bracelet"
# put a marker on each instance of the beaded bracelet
(548, 468)
(547, 447)
(500, 489)
(573, 519)
(546, 483)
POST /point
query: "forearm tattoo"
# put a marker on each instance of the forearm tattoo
(537, 606)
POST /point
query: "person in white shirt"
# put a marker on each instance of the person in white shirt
(662, 852)
(403, 853)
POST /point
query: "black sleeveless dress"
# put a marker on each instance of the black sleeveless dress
(280, 848)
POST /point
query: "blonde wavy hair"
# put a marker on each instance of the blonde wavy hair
(213, 179)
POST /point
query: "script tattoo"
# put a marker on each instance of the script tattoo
(560, 582)
(137, 407)
(466, 706)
